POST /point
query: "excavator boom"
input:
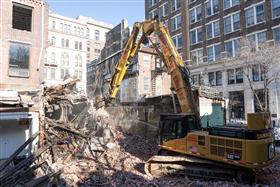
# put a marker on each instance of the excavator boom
(171, 58)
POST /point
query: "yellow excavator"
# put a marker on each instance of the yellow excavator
(227, 152)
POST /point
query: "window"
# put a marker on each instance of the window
(67, 43)
(153, 14)
(61, 26)
(236, 105)
(53, 41)
(230, 3)
(231, 77)
(163, 10)
(197, 56)
(52, 58)
(276, 35)
(158, 63)
(261, 96)
(52, 73)
(63, 73)
(254, 15)
(62, 42)
(256, 73)
(219, 78)
(88, 32)
(213, 29)
(195, 14)
(146, 60)
(235, 76)
(64, 59)
(196, 79)
(176, 23)
(97, 35)
(211, 77)
(215, 78)
(78, 74)
(239, 75)
(212, 7)
(196, 35)
(78, 60)
(232, 23)
(22, 17)
(214, 53)
(53, 24)
(257, 39)
(175, 5)
(232, 48)
(76, 45)
(152, 3)
(80, 46)
(19, 59)
(275, 8)
(146, 83)
(178, 41)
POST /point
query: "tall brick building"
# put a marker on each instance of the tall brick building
(23, 39)
(211, 31)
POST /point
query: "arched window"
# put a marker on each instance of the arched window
(64, 59)
(53, 24)
(88, 32)
(53, 40)
(78, 60)
(62, 42)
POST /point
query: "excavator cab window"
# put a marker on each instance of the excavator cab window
(176, 127)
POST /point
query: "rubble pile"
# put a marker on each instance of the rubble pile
(85, 147)
(21, 172)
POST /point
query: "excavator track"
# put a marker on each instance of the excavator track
(159, 166)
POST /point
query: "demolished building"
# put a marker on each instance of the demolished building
(23, 39)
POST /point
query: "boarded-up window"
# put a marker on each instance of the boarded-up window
(22, 17)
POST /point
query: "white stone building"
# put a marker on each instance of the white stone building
(96, 36)
(66, 54)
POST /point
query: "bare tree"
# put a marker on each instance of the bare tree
(265, 55)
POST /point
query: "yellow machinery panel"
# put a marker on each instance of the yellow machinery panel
(258, 121)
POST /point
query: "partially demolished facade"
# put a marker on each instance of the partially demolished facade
(23, 39)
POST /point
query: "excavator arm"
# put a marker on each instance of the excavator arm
(170, 56)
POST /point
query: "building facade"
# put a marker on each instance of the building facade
(99, 79)
(145, 78)
(66, 54)
(217, 29)
(211, 34)
(96, 36)
(72, 44)
(23, 39)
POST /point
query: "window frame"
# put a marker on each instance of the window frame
(213, 29)
(254, 6)
(176, 18)
(232, 22)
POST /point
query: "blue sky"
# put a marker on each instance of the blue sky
(110, 11)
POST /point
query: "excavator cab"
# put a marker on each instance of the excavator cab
(176, 126)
